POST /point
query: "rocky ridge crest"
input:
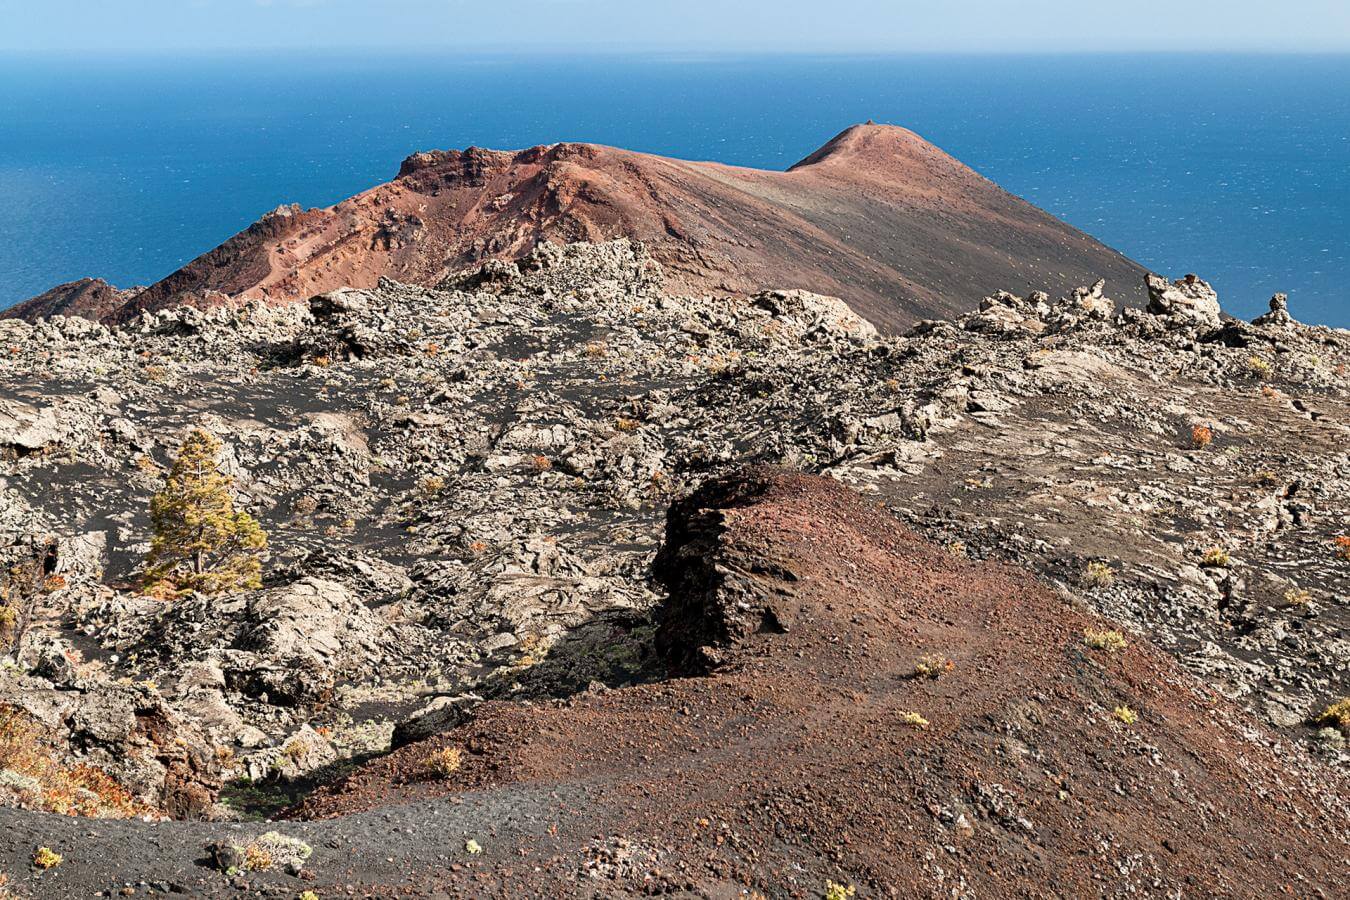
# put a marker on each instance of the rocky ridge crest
(878, 217)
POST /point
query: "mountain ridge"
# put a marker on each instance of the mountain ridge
(877, 216)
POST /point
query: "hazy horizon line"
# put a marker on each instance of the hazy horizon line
(644, 52)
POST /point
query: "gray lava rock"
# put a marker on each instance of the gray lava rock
(1278, 315)
(1188, 300)
(464, 487)
(25, 428)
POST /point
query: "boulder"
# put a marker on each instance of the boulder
(1093, 301)
(815, 315)
(313, 617)
(438, 716)
(52, 659)
(1187, 301)
(1279, 313)
(290, 644)
(26, 429)
(298, 756)
(1006, 313)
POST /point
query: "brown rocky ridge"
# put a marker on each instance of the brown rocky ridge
(90, 298)
(878, 217)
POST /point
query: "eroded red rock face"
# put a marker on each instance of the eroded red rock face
(878, 217)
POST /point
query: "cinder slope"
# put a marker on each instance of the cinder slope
(877, 217)
(91, 298)
(794, 763)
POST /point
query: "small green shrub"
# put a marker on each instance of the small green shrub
(1337, 715)
(1216, 558)
(443, 763)
(46, 858)
(1099, 575)
(1105, 639)
(933, 667)
(913, 719)
(1295, 598)
(274, 849)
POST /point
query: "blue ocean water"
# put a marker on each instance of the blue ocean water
(1235, 167)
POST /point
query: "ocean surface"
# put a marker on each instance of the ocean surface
(1234, 167)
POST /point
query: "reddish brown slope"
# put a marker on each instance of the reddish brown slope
(878, 217)
(92, 298)
(792, 764)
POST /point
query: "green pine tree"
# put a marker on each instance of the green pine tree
(201, 542)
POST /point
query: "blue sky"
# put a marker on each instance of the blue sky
(687, 25)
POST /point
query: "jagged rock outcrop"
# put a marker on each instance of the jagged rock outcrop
(1279, 312)
(1188, 300)
(162, 760)
(718, 597)
(289, 645)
